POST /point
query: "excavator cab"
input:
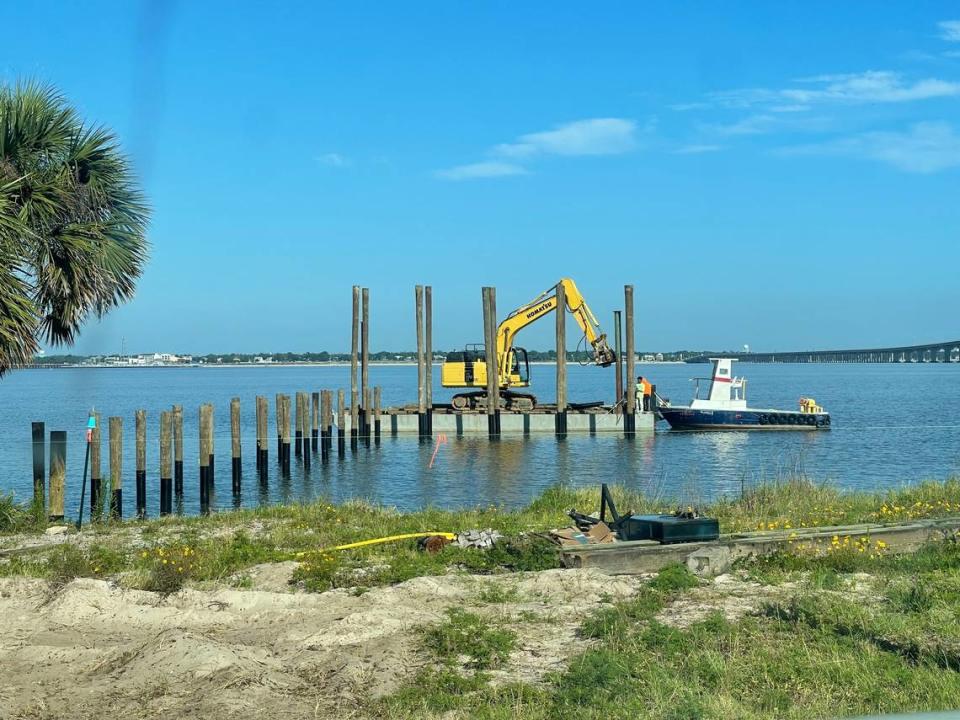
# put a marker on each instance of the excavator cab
(468, 369)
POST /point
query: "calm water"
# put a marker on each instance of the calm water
(891, 424)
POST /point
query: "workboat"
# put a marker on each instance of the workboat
(725, 408)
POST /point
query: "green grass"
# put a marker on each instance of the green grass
(470, 639)
(227, 543)
(842, 643)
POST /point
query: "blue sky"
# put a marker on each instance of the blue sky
(779, 174)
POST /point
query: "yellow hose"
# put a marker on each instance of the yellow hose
(448, 536)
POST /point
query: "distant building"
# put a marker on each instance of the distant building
(258, 360)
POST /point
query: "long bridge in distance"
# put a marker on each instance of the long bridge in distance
(946, 352)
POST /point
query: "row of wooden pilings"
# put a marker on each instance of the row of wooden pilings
(304, 421)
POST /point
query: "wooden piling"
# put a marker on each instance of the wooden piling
(286, 434)
(96, 473)
(354, 349)
(205, 421)
(235, 457)
(116, 467)
(326, 422)
(376, 415)
(428, 357)
(341, 425)
(262, 442)
(211, 442)
(279, 422)
(178, 452)
(166, 464)
(629, 417)
(140, 429)
(298, 424)
(354, 420)
(421, 365)
(368, 403)
(58, 473)
(618, 349)
(305, 427)
(314, 421)
(365, 364)
(560, 419)
(38, 432)
(490, 353)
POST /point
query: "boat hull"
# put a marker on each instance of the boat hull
(685, 418)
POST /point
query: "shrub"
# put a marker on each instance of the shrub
(168, 569)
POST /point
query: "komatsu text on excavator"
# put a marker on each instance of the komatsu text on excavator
(468, 369)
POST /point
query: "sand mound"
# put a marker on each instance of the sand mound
(93, 648)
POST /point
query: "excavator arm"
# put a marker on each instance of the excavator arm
(543, 305)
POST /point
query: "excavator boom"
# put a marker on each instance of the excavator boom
(545, 303)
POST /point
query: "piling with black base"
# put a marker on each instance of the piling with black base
(178, 452)
(141, 472)
(629, 415)
(204, 459)
(262, 442)
(341, 425)
(235, 454)
(116, 467)
(96, 477)
(166, 466)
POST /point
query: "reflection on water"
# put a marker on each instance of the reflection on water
(874, 443)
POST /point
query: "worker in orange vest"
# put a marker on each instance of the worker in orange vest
(644, 391)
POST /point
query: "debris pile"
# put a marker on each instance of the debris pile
(478, 538)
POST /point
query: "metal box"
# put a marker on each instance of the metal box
(668, 529)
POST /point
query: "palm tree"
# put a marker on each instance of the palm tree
(72, 222)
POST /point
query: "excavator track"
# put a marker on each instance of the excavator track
(514, 401)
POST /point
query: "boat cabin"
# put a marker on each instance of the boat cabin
(726, 392)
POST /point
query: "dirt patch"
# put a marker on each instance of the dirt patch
(95, 649)
(731, 596)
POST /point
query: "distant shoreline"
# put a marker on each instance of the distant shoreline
(338, 363)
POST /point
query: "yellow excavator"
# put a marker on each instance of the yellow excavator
(468, 369)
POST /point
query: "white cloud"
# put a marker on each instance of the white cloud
(751, 125)
(697, 149)
(596, 136)
(950, 30)
(489, 169)
(872, 86)
(334, 160)
(927, 147)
